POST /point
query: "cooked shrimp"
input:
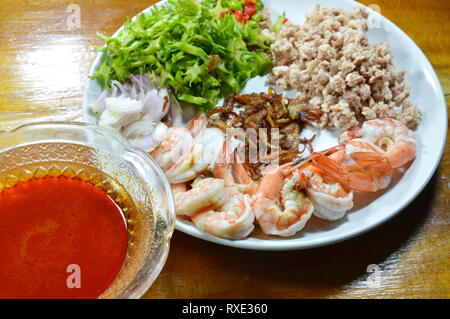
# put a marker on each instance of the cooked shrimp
(364, 169)
(279, 207)
(176, 142)
(231, 218)
(392, 136)
(230, 168)
(184, 153)
(172, 146)
(203, 194)
(331, 201)
(204, 151)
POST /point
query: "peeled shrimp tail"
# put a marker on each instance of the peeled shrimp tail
(372, 161)
(222, 167)
(240, 174)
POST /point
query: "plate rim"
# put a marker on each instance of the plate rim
(286, 245)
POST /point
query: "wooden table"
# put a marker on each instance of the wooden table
(43, 66)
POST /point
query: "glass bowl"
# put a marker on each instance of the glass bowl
(104, 158)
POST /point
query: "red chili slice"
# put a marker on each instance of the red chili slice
(249, 11)
(240, 16)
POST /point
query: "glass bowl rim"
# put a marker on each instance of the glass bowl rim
(151, 275)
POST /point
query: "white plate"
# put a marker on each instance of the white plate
(426, 93)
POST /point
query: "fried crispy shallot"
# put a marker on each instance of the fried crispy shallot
(268, 121)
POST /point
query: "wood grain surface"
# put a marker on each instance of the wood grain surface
(43, 66)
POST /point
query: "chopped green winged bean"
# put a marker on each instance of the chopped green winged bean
(178, 41)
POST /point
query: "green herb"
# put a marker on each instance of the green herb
(192, 46)
(277, 26)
